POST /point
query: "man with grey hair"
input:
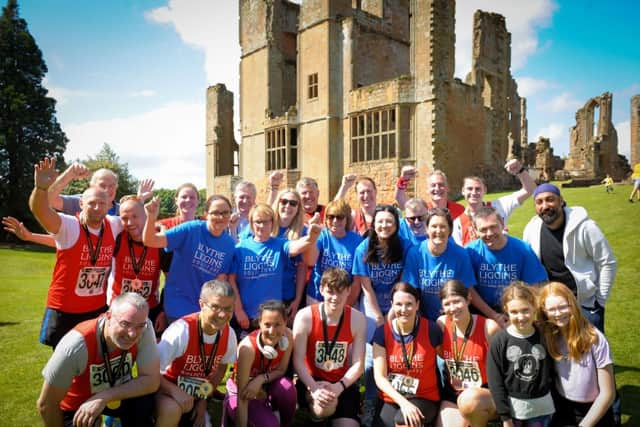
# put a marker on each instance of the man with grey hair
(194, 353)
(90, 371)
(244, 198)
(84, 252)
(413, 226)
(437, 187)
(309, 192)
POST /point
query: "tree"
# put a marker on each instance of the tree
(107, 159)
(29, 129)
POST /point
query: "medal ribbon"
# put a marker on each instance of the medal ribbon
(207, 363)
(112, 376)
(408, 357)
(136, 263)
(328, 347)
(93, 252)
(457, 355)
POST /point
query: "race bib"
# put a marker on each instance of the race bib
(465, 374)
(404, 384)
(335, 360)
(98, 373)
(142, 287)
(91, 281)
(192, 386)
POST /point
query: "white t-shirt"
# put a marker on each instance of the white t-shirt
(69, 231)
(504, 205)
(174, 342)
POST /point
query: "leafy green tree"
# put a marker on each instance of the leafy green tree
(29, 129)
(107, 159)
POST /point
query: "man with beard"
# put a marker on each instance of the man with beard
(573, 250)
(91, 370)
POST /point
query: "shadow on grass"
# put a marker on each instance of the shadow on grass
(630, 410)
(8, 324)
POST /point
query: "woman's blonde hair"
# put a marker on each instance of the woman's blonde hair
(294, 230)
(580, 335)
(339, 207)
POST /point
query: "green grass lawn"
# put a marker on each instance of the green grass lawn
(25, 275)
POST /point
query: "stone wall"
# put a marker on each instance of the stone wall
(635, 130)
(221, 147)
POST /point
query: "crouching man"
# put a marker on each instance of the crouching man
(79, 385)
(328, 353)
(194, 353)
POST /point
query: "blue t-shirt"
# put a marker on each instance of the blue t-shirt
(382, 276)
(332, 252)
(405, 232)
(290, 269)
(494, 270)
(259, 268)
(428, 273)
(198, 257)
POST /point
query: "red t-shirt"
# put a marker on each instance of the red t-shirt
(471, 370)
(455, 208)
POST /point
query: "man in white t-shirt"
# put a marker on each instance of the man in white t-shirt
(194, 353)
(84, 252)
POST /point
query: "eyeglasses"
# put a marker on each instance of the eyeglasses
(292, 203)
(419, 218)
(336, 217)
(217, 309)
(219, 214)
(262, 221)
(130, 326)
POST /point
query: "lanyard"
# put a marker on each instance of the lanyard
(457, 355)
(93, 252)
(328, 347)
(408, 357)
(207, 363)
(112, 376)
(136, 263)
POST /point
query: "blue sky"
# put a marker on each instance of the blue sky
(134, 73)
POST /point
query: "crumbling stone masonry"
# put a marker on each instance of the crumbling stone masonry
(330, 87)
(635, 130)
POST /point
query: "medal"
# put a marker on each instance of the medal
(205, 389)
(136, 285)
(328, 365)
(114, 404)
(136, 263)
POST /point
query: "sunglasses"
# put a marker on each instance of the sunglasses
(292, 203)
(338, 217)
(419, 218)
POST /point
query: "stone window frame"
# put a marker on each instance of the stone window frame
(281, 148)
(312, 86)
(374, 135)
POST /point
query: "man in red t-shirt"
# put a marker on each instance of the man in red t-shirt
(328, 352)
(79, 386)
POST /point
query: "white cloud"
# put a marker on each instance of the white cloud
(145, 93)
(560, 103)
(524, 18)
(169, 139)
(64, 95)
(528, 86)
(558, 134)
(624, 138)
(204, 25)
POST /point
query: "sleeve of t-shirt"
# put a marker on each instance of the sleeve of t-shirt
(173, 343)
(456, 233)
(465, 270)
(147, 350)
(230, 355)
(178, 235)
(68, 360)
(435, 334)
(236, 261)
(71, 204)
(378, 336)
(116, 225)
(505, 205)
(68, 232)
(410, 270)
(601, 352)
(360, 268)
(285, 247)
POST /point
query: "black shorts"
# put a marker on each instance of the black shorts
(390, 415)
(136, 411)
(55, 324)
(570, 413)
(348, 401)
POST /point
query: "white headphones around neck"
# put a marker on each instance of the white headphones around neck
(270, 352)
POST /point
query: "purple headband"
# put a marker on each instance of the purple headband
(546, 188)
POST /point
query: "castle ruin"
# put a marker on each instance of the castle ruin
(635, 130)
(330, 87)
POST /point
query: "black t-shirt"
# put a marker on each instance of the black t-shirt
(552, 256)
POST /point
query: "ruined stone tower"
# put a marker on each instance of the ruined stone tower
(635, 130)
(330, 87)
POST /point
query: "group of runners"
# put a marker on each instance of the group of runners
(440, 314)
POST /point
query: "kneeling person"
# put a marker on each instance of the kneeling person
(79, 386)
(328, 352)
(194, 353)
